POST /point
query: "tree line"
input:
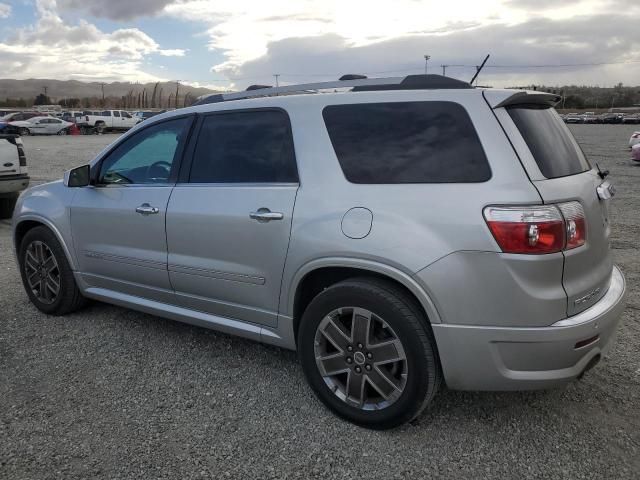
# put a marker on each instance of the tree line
(156, 98)
(600, 98)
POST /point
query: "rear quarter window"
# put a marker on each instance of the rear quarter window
(550, 141)
(407, 142)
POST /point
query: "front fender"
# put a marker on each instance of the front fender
(48, 205)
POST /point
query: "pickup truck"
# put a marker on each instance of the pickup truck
(13, 173)
(108, 120)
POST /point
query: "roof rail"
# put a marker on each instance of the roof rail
(257, 87)
(411, 82)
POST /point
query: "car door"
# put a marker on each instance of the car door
(39, 127)
(118, 224)
(53, 126)
(229, 217)
(127, 120)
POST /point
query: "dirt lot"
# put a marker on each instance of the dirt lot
(111, 393)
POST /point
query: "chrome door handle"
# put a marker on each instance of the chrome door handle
(266, 215)
(146, 209)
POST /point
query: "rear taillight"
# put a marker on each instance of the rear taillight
(537, 229)
(576, 228)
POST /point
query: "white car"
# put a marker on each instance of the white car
(635, 139)
(42, 126)
(109, 120)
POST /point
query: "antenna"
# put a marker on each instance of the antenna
(479, 69)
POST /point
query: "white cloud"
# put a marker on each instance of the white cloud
(51, 48)
(173, 52)
(258, 39)
(5, 10)
(116, 9)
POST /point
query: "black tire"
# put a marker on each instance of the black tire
(408, 322)
(64, 131)
(7, 204)
(100, 128)
(69, 298)
(23, 132)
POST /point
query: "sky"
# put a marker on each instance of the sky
(229, 44)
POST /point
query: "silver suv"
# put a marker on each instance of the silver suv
(399, 233)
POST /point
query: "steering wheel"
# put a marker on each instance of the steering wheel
(159, 170)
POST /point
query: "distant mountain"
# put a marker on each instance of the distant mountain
(59, 89)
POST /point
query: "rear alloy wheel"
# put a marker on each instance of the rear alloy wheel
(360, 358)
(46, 274)
(368, 352)
(63, 132)
(23, 132)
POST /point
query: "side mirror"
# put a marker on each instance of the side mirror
(78, 177)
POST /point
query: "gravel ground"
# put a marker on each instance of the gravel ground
(112, 393)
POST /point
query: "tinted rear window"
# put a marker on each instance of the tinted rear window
(408, 142)
(245, 147)
(551, 143)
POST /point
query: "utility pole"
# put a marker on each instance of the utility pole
(102, 86)
(426, 63)
(276, 76)
(177, 88)
(444, 70)
(45, 88)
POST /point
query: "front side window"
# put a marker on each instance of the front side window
(408, 142)
(125, 114)
(148, 157)
(116, 114)
(245, 147)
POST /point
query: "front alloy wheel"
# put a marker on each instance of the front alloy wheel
(42, 272)
(46, 274)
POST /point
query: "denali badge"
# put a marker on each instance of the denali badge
(587, 297)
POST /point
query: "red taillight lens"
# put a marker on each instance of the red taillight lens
(537, 229)
(531, 230)
(573, 214)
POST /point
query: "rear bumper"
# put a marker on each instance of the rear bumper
(502, 358)
(13, 183)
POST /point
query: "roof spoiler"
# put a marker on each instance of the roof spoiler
(525, 98)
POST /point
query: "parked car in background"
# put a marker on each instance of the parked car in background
(20, 116)
(505, 282)
(635, 139)
(72, 116)
(574, 118)
(109, 120)
(41, 126)
(635, 152)
(13, 172)
(633, 118)
(589, 117)
(612, 118)
(147, 114)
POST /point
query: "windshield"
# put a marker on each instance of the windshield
(551, 143)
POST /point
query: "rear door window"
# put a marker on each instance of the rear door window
(245, 147)
(551, 143)
(408, 142)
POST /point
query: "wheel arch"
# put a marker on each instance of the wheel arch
(24, 224)
(320, 274)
